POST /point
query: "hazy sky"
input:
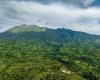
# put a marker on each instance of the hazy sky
(80, 15)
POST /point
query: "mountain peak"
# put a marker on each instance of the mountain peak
(26, 28)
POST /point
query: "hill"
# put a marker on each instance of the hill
(30, 52)
(60, 34)
(26, 28)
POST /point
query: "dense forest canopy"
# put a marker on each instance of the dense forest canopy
(29, 52)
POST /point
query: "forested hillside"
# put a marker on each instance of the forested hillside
(29, 52)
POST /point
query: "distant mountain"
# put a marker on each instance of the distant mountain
(42, 33)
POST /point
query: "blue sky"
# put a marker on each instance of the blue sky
(79, 15)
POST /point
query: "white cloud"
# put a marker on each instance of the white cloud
(56, 14)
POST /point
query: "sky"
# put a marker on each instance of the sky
(78, 15)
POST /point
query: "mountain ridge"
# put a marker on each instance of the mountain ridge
(40, 27)
(59, 34)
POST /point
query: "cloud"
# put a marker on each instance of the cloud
(88, 2)
(84, 3)
(54, 14)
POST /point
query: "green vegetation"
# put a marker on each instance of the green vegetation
(49, 55)
(26, 28)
